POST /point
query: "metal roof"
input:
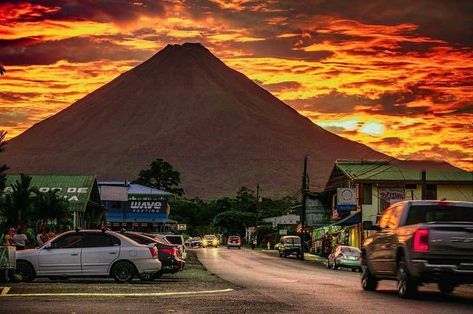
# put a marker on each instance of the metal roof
(399, 170)
(135, 189)
(75, 188)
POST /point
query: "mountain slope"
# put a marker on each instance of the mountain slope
(215, 126)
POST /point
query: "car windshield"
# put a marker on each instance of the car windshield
(209, 237)
(174, 239)
(234, 238)
(292, 240)
(442, 213)
(350, 250)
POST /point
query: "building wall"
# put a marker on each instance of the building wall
(450, 192)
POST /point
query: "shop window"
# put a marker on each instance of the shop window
(431, 192)
(367, 194)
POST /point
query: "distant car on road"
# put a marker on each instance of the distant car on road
(420, 242)
(210, 240)
(196, 242)
(167, 255)
(345, 256)
(89, 253)
(289, 245)
(234, 241)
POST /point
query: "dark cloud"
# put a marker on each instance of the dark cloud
(392, 141)
(77, 49)
(118, 11)
(282, 86)
(334, 102)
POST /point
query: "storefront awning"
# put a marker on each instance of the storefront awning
(350, 220)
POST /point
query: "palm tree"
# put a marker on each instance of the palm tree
(2, 70)
(49, 206)
(18, 203)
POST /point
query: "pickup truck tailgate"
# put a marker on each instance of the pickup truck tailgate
(451, 239)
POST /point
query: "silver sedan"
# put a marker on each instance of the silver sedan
(88, 253)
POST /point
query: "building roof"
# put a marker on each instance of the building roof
(75, 188)
(136, 189)
(402, 170)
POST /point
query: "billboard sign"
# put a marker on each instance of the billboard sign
(346, 199)
(316, 214)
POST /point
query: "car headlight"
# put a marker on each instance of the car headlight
(215, 242)
(204, 242)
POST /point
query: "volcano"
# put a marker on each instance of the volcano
(218, 128)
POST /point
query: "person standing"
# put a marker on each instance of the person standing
(49, 234)
(41, 237)
(19, 239)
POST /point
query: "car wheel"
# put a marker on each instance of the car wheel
(368, 281)
(147, 277)
(26, 271)
(406, 286)
(445, 287)
(123, 272)
(285, 254)
(301, 256)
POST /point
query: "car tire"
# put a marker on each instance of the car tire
(301, 256)
(368, 281)
(285, 254)
(335, 266)
(445, 288)
(123, 271)
(406, 286)
(26, 271)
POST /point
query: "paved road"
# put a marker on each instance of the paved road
(305, 287)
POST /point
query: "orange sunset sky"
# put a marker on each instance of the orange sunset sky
(394, 75)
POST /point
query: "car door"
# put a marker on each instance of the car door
(62, 257)
(99, 252)
(377, 246)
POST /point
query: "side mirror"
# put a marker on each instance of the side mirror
(368, 225)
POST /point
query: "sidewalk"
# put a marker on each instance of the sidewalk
(311, 258)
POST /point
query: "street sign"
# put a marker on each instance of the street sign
(181, 227)
(346, 199)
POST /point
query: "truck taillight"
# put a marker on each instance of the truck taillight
(421, 240)
(154, 251)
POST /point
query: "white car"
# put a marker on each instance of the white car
(89, 253)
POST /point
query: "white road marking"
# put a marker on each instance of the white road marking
(4, 293)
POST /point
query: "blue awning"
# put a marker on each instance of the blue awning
(349, 220)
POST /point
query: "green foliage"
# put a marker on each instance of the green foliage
(3, 168)
(234, 221)
(18, 207)
(161, 175)
(50, 206)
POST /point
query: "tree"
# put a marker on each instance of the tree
(161, 175)
(19, 203)
(49, 206)
(2, 70)
(234, 221)
(4, 167)
(246, 199)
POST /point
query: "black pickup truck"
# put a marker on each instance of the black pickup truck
(418, 242)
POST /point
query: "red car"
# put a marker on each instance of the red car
(234, 241)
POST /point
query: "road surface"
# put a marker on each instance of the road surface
(304, 287)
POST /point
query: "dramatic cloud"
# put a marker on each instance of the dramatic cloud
(395, 75)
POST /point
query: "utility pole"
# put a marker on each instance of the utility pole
(304, 194)
(424, 185)
(257, 204)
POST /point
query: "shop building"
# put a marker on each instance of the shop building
(362, 190)
(136, 207)
(81, 191)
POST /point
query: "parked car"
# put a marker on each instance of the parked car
(289, 245)
(210, 240)
(345, 256)
(167, 255)
(176, 240)
(418, 242)
(89, 253)
(234, 241)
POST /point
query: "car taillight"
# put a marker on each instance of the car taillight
(154, 251)
(170, 251)
(421, 240)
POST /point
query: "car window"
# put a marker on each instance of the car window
(350, 250)
(429, 213)
(393, 221)
(174, 239)
(383, 222)
(68, 242)
(101, 240)
(139, 239)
